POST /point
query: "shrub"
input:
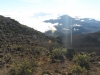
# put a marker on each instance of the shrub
(78, 70)
(40, 51)
(81, 60)
(24, 68)
(17, 47)
(58, 52)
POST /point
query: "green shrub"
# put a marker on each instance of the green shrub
(41, 51)
(17, 47)
(58, 52)
(81, 59)
(24, 68)
(16, 69)
(81, 64)
(78, 70)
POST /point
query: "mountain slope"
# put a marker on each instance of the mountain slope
(19, 43)
(13, 32)
(89, 42)
(25, 51)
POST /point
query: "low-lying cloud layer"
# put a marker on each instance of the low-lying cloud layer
(34, 19)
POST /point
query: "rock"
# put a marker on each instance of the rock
(92, 60)
(70, 53)
(93, 54)
(64, 74)
(69, 73)
(46, 73)
(59, 59)
(56, 71)
(7, 66)
(63, 67)
(1, 55)
(1, 66)
(98, 62)
(1, 51)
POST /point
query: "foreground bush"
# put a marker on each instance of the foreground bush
(81, 60)
(24, 68)
(78, 70)
(81, 64)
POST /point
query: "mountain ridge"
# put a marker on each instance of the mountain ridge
(13, 29)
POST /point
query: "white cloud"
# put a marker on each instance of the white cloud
(35, 1)
(34, 18)
(27, 18)
(66, 1)
(30, 18)
(61, 1)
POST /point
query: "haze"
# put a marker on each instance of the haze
(33, 12)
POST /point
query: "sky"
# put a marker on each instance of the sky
(33, 12)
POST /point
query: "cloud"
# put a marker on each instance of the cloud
(66, 1)
(40, 1)
(35, 1)
(33, 19)
(61, 1)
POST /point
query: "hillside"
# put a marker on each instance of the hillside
(25, 51)
(87, 42)
(19, 42)
(13, 32)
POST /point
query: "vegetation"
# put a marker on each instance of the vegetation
(81, 61)
(78, 70)
(19, 45)
(58, 52)
(24, 68)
